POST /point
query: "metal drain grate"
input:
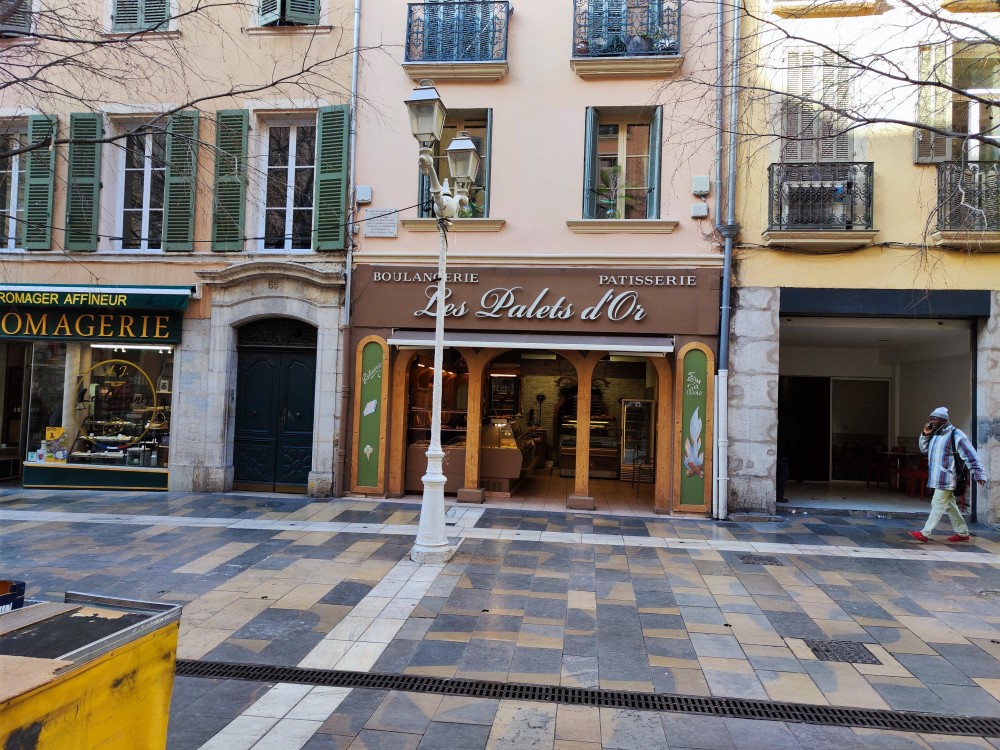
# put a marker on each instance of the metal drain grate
(849, 651)
(750, 559)
(907, 721)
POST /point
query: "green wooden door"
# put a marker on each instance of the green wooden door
(272, 447)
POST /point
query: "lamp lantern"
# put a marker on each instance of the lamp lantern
(463, 159)
(427, 113)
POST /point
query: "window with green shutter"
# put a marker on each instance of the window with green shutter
(39, 179)
(18, 22)
(288, 12)
(228, 213)
(332, 152)
(83, 181)
(622, 156)
(140, 15)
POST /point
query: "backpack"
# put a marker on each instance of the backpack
(961, 469)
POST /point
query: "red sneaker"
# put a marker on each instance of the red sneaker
(919, 536)
(958, 538)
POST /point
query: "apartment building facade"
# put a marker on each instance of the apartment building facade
(174, 184)
(866, 276)
(583, 277)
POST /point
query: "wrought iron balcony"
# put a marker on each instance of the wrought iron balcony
(457, 32)
(624, 28)
(968, 196)
(822, 196)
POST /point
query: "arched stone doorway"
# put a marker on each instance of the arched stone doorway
(275, 401)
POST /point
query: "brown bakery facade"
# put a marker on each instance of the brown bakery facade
(592, 374)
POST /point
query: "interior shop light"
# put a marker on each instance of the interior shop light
(125, 347)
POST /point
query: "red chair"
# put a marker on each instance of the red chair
(915, 479)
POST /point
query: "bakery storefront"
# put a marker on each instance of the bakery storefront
(588, 375)
(87, 384)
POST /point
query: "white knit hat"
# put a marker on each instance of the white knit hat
(941, 413)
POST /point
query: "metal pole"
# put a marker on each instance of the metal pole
(432, 545)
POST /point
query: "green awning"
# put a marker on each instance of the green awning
(95, 298)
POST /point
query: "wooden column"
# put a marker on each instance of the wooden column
(664, 477)
(471, 492)
(584, 364)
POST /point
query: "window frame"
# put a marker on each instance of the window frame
(121, 165)
(460, 119)
(257, 179)
(168, 25)
(622, 117)
(13, 236)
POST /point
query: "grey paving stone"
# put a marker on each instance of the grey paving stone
(716, 645)
(353, 713)
(773, 735)
(696, 732)
(194, 730)
(448, 736)
(908, 698)
(370, 739)
(464, 710)
(437, 653)
(933, 669)
(891, 741)
(321, 741)
(580, 645)
(484, 655)
(397, 655)
(536, 660)
(968, 700)
(817, 737)
(623, 729)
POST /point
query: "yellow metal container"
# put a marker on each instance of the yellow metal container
(112, 692)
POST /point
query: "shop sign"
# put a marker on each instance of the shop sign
(571, 299)
(83, 325)
(95, 299)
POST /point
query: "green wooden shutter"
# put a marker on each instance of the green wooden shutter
(83, 184)
(653, 166)
(487, 153)
(154, 14)
(232, 127)
(591, 165)
(305, 12)
(933, 105)
(19, 21)
(126, 15)
(180, 188)
(269, 12)
(39, 178)
(330, 203)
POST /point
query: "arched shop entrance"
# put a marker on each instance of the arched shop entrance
(580, 409)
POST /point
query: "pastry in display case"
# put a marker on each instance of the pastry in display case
(603, 461)
(507, 452)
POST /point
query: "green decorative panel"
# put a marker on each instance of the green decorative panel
(369, 439)
(694, 436)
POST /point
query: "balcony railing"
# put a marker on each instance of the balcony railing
(626, 28)
(827, 196)
(457, 32)
(968, 196)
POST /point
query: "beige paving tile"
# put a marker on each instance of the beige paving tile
(585, 600)
(990, 685)
(237, 614)
(577, 723)
(215, 558)
(199, 641)
(791, 686)
(931, 629)
(303, 596)
(522, 724)
(209, 604)
(840, 629)
(843, 685)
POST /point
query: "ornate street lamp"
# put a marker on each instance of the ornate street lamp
(427, 115)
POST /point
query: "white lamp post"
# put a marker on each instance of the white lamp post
(427, 115)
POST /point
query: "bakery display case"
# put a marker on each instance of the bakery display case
(507, 452)
(603, 459)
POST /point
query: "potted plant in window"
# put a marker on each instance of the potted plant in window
(612, 192)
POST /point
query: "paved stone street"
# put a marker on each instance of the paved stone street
(657, 604)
